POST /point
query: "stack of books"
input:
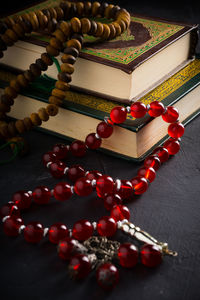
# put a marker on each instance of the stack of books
(153, 60)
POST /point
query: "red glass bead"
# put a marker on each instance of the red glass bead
(22, 199)
(83, 187)
(104, 130)
(138, 110)
(41, 194)
(11, 226)
(92, 141)
(33, 232)
(93, 175)
(78, 148)
(162, 154)
(156, 109)
(79, 266)
(140, 185)
(104, 185)
(148, 173)
(120, 212)
(118, 114)
(128, 255)
(82, 230)
(49, 157)
(61, 151)
(110, 200)
(176, 130)
(106, 226)
(172, 145)
(57, 169)
(171, 114)
(66, 248)
(151, 255)
(9, 209)
(152, 161)
(58, 232)
(107, 276)
(75, 172)
(126, 190)
(62, 191)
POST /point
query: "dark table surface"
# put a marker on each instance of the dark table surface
(169, 210)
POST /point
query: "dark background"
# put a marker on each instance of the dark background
(169, 210)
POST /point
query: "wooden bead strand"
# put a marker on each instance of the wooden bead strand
(67, 23)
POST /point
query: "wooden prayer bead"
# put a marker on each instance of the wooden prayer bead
(47, 59)
(74, 43)
(113, 32)
(61, 85)
(52, 110)
(72, 51)
(15, 85)
(73, 10)
(52, 51)
(104, 5)
(99, 31)
(117, 28)
(80, 8)
(65, 27)
(58, 93)
(9, 22)
(26, 24)
(108, 10)
(60, 35)
(65, 67)
(95, 8)
(29, 75)
(7, 40)
(86, 25)
(67, 58)
(78, 37)
(19, 30)
(52, 24)
(41, 64)
(19, 124)
(43, 114)
(122, 25)
(76, 24)
(12, 129)
(35, 70)
(65, 5)
(60, 12)
(55, 100)
(28, 123)
(106, 32)
(114, 11)
(55, 43)
(53, 12)
(93, 28)
(34, 21)
(10, 92)
(43, 20)
(23, 82)
(64, 77)
(35, 119)
(87, 8)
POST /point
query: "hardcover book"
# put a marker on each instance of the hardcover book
(125, 68)
(132, 140)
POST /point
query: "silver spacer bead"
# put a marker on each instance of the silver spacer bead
(97, 136)
(72, 189)
(21, 228)
(148, 107)
(119, 224)
(46, 230)
(94, 224)
(179, 139)
(5, 218)
(52, 192)
(118, 184)
(106, 119)
(67, 146)
(66, 170)
(48, 164)
(87, 172)
(93, 182)
(128, 109)
(70, 232)
(30, 193)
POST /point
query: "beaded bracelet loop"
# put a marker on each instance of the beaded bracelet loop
(67, 34)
